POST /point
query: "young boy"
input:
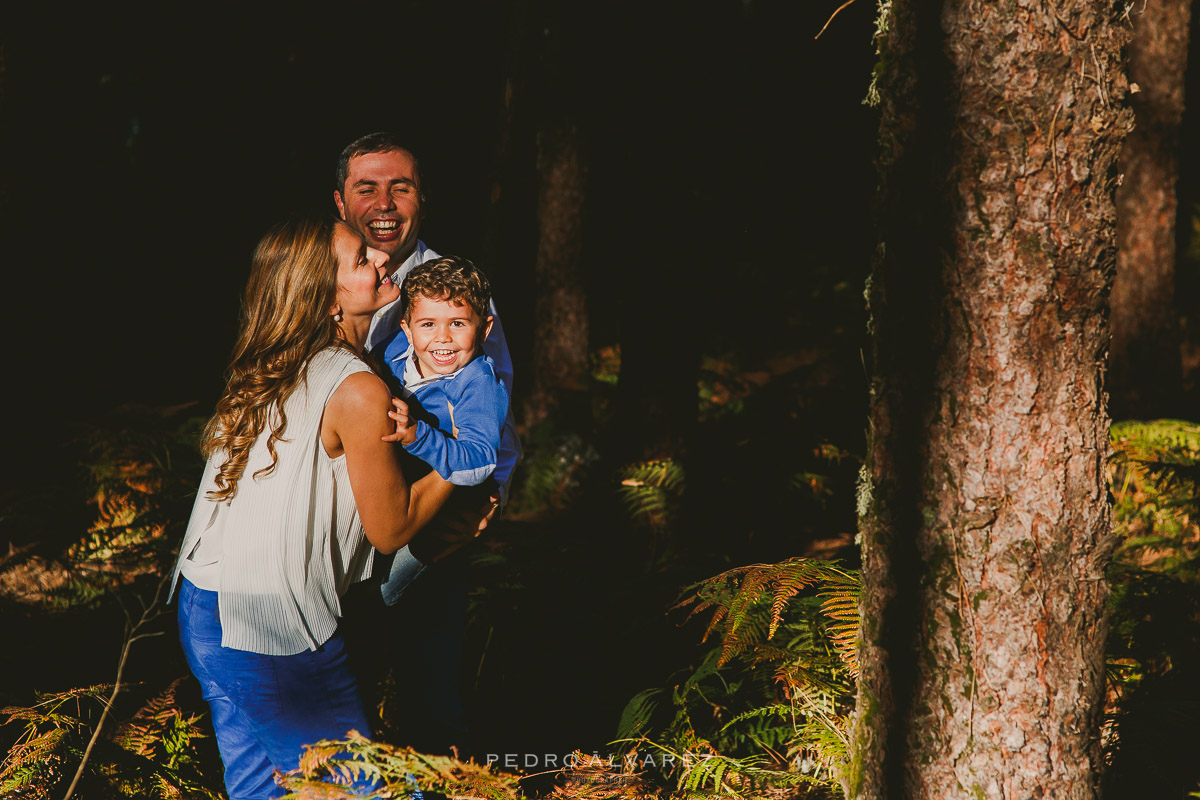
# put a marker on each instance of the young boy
(454, 406)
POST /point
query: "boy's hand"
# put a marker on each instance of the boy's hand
(406, 426)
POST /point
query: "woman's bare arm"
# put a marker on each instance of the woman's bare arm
(355, 422)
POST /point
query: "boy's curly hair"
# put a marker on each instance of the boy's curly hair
(451, 279)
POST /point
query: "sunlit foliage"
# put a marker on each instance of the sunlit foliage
(391, 772)
(767, 705)
(1154, 640)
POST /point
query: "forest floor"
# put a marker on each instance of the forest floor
(570, 614)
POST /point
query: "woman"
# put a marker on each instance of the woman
(299, 483)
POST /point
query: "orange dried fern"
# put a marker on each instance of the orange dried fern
(735, 594)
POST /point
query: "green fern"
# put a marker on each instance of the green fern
(397, 771)
(553, 470)
(841, 602)
(696, 770)
(164, 735)
(650, 490)
(150, 756)
(51, 740)
(735, 596)
(141, 467)
(638, 712)
(1154, 476)
(768, 704)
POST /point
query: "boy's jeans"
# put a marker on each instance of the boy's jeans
(403, 570)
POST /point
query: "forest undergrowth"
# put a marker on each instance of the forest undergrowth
(681, 626)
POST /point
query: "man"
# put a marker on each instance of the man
(379, 194)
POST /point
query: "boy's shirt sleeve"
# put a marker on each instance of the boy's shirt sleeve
(477, 406)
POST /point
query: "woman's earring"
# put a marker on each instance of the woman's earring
(337, 317)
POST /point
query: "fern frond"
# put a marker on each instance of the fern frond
(840, 602)
(820, 748)
(789, 578)
(399, 771)
(734, 595)
(743, 630)
(707, 668)
(636, 716)
(649, 489)
(733, 777)
(36, 751)
(798, 675)
(774, 710)
(775, 687)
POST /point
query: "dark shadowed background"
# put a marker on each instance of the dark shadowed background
(726, 215)
(729, 177)
(145, 153)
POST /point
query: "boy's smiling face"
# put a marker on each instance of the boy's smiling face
(444, 334)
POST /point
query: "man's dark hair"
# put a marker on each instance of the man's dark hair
(378, 142)
(450, 279)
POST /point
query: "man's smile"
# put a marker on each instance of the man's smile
(384, 228)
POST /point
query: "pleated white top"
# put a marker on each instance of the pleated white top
(284, 549)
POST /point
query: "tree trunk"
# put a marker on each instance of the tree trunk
(560, 341)
(547, 62)
(983, 507)
(1146, 378)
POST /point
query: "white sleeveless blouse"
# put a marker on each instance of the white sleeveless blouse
(289, 544)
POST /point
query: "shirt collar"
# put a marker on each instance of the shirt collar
(416, 257)
(413, 379)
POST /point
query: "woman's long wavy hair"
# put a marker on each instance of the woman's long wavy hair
(285, 322)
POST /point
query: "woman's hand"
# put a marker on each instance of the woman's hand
(406, 426)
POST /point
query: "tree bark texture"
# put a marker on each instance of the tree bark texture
(560, 310)
(983, 505)
(1146, 373)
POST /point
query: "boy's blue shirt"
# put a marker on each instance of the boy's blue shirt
(459, 433)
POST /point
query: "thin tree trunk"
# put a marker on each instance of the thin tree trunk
(546, 71)
(1146, 378)
(983, 508)
(560, 349)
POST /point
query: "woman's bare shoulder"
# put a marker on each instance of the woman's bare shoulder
(356, 411)
(362, 390)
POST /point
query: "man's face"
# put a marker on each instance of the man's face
(382, 201)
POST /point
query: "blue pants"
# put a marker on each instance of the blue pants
(266, 708)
